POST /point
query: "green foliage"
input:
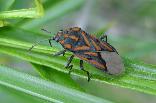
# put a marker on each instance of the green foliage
(137, 75)
(42, 89)
(24, 13)
(56, 85)
(6, 5)
(56, 76)
(51, 13)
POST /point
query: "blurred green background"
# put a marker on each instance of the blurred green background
(129, 24)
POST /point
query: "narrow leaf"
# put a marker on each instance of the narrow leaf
(55, 11)
(42, 89)
(56, 76)
(9, 95)
(24, 13)
(138, 76)
(5, 5)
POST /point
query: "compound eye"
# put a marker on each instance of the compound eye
(61, 31)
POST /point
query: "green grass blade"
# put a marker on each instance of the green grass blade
(55, 11)
(3, 23)
(9, 95)
(56, 76)
(24, 13)
(42, 89)
(5, 5)
(137, 76)
(48, 73)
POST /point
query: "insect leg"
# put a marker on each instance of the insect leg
(60, 52)
(68, 63)
(103, 37)
(82, 68)
(50, 42)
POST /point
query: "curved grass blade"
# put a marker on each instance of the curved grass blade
(56, 76)
(55, 11)
(5, 5)
(42, 89)
(137, 76)
(35, 12)
(9, 95)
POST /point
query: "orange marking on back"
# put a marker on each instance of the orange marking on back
(95, 45)
(93, 36)
(65, 35)
(81, 48)
(74, 37)
(106, 46)
(94, 62)
(61, 41)
(81, 57)
(91, 53)
(68, 46)
(76, 29)
(97, 64)
(85, 38)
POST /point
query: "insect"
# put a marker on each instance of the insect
(87, 48)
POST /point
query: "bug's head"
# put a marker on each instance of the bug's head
(58, 36)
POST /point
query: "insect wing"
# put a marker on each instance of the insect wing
(113, 62)
(93, 60)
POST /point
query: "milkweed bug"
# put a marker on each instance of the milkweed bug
(96, 51)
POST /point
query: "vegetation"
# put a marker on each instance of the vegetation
(18, 34)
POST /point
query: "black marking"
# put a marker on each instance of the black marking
(82, 68)
(103, 37)
(60, 52)
(68, 64)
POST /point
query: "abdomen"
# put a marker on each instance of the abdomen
(92, 58)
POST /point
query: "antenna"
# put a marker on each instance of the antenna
(38, 43)
(45, 30)
(42, 40)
